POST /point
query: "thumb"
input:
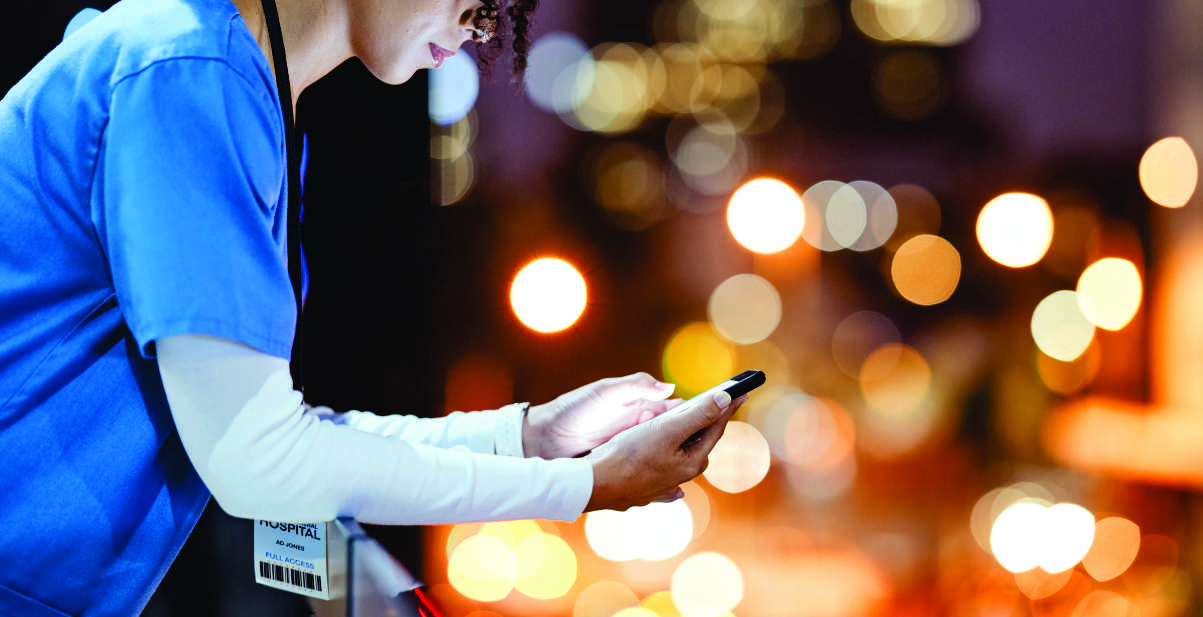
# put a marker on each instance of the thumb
(697, 417)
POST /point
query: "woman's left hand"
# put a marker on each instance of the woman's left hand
(589, 416)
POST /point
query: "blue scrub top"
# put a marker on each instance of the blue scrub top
(142, 194)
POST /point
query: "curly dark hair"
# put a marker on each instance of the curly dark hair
(499, 26)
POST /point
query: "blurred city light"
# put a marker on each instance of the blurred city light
(894, 379)
(483, 568)
(882, 215)
(816, 200)
(1116, 544)
(740, 459)
(1030, 533)
(707, 584)
(1059, 326)
(559, 72)
(745, 309)
(603, 599)
(546, 566)
(765, 215)
(1015, 229)
(934, 22)
(696, 359)
(548, 295)
(926, 269)
(1070, 377)
(1109, 292)
(653, 532)
(453, 90)
(918, 212)
(1169, 172)
(857, 335)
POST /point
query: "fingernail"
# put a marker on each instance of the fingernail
(722, 399)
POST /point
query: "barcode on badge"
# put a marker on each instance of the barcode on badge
(290, 576)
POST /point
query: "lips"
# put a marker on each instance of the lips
(438, 54)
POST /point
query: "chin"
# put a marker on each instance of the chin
(393, 75)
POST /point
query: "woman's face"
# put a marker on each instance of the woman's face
(395, 38)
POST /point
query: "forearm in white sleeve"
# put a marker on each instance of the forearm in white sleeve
(264, 454)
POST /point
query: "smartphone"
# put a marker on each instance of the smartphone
(737, 386)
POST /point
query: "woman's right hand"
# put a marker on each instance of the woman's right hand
(649, 461)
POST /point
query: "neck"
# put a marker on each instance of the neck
(315, 40)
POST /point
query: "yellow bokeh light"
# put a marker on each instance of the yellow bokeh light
(483, 568)
(1059, 327)
(548, 295)
(603, 599)
(546, 566)
(1015, 229)
(1116, 544)
(926, 269)
(766, 215)
(661, 604)
(696, 358)
(707, 584)
(894, 379)
(745, 309)
(635, 611)
(699, 506)
(603, 532)
(1066, 378)
(740, 459)
(657, 531)
(935, 22)
(1109, 292)
(1169, 172)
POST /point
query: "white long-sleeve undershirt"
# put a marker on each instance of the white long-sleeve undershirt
(265, 454)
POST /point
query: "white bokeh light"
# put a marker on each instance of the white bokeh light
(707, 585)
(558, 72)
(766, 215)
(453, 89)
(548, 295)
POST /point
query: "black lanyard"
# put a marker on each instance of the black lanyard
(292, 148)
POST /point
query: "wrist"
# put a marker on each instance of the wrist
(530, 432)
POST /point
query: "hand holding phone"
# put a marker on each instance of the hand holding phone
(737, 386)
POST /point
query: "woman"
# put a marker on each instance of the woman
(147, 317)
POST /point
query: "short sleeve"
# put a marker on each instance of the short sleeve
(188, 205)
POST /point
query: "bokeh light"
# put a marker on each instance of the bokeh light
(707, 584)
(548, 295)
(453, 89)
(766, 215)
(1015, 229)
(559, 72)
(745, 309)
(483, 568)
(918, 213)
(882, 215)
(858, 335)
(926, 269)
(894, 379)
(1109, 292)
(653, 532)
(1104, 603)
(603, 599)
(1169, 172)
(814, 202)
(1059, 326)
(846, 216)
(1071, 377)
(908, 84)
(696, 358)
(1116, 544)
(934, 22)
(546, 566)
(740, 459)
(1029, 534)
(628, 181)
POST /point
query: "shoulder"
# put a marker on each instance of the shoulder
(135, 35)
